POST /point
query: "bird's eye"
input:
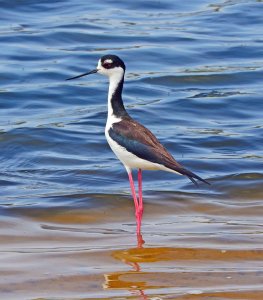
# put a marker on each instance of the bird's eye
(107, 65)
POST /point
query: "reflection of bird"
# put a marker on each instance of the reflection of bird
(134, 145)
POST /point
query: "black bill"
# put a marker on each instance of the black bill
(90, 72)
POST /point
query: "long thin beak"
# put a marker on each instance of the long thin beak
(90, 72)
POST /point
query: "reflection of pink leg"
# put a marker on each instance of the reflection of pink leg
(136, 203)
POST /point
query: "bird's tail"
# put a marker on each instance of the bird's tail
(192, 176)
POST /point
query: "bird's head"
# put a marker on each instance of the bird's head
(108, 65)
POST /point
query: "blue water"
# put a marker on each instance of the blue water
(194, 77)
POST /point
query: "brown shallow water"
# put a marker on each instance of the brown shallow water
(192, 250)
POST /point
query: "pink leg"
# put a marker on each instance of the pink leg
(140, 240)
(140, 191)
(140, 206)
(136, 204)
(138, 212)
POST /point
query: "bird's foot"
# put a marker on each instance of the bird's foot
(140, 240)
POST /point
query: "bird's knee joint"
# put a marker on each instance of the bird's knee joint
(139, 212)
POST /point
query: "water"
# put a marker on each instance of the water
(194, 77)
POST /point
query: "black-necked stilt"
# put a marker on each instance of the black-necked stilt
(134, 145)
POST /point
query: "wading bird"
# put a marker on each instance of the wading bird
(134, 145)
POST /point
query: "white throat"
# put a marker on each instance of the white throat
(115, 76)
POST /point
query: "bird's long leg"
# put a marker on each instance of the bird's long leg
(136, 203)
(140, 192)
(140, 208)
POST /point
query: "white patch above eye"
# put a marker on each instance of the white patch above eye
(108, 61)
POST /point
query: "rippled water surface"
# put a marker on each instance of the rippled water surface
(194, 77)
